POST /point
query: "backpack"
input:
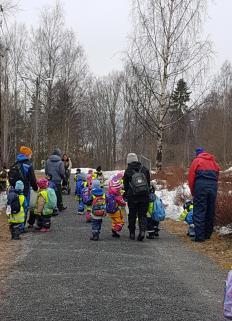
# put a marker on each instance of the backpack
(111, 204)
(138, 184)
(52, 199)
(189, 217)
(15, 174)
(13, 202)
(158, 214)
(228, 297)
(99, 205)
(85, 195)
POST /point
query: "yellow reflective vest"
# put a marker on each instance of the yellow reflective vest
(20, 216)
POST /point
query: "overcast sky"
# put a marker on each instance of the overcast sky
(102, 27)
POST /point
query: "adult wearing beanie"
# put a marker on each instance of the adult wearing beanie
(203, 183)
(138, 204)
(55, 168)
(29, 179)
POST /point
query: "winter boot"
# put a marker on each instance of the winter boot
(132, 236)
(15, 232)
(115, 234)
(151, 236)
(55, 212)
(95, 237)
(141, 236)
(156, 232)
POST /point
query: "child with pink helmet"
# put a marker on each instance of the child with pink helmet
(114, 202)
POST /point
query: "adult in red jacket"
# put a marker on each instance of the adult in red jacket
(203, 182)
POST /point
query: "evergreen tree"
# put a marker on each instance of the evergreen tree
(179, 99)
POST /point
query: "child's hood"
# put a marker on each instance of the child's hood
(97, 191)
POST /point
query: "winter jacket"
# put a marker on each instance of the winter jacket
(95, 192)
(203, 169)
(55, 168)
(41, 204)
(20, 216)
(132, 167)
(29, 174)
(67, 165)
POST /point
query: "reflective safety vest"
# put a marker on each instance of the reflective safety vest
(46, 211)
(185, 213)
(20, 216)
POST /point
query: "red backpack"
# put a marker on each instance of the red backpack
(99, 205)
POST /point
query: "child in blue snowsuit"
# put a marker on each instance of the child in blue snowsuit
(152, 225)
(97, 200)
(187, 216)
(80, 185)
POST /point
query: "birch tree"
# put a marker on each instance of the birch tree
(166, 46)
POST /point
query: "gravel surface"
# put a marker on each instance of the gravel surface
(62, 275)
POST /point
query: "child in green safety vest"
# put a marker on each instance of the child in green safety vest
(45, 204)
(15, 211)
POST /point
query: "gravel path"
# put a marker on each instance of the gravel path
(64, 276)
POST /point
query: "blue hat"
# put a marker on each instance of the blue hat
(19, 186)
(199, 150)
(96, 183)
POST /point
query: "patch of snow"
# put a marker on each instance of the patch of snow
(168, 197)
(225, 230)
(3, 200)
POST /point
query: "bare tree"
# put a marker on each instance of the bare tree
(166, 46)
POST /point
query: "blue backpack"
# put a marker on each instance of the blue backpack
(52, 199)
(189, 217)
(158, 214)
(111, 204)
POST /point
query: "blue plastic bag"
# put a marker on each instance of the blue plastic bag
(158, 214)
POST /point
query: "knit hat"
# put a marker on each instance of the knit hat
(199, 150)
(96, 183)
(116, 183)
(19, 186)
(57, 151)
(132, 157)
(42, 183)
(25, 150)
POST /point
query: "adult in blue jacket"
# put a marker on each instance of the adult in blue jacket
(203, 183)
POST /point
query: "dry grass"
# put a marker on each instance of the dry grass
(8, 248)
(219, 248)
(173, 176)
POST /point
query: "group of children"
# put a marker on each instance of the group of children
(42, 211)
(96, 203)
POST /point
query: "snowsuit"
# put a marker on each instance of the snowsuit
(15, 220)
(55, 168)
(203, 183)
(41, 213)
(152, 225)
(96, 221)
(117, 219)
(187, 216)
(138, 205)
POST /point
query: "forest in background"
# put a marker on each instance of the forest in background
(159, 106)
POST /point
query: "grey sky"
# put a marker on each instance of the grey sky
(102, 27)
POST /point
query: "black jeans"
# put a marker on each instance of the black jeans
(137, 209)
(59, 195)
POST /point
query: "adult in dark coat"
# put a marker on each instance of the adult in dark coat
(55, 168)
(203, 183)
(138, 204)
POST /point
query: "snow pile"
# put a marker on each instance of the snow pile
(3, 200)
(225, 230)
(168, 197)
